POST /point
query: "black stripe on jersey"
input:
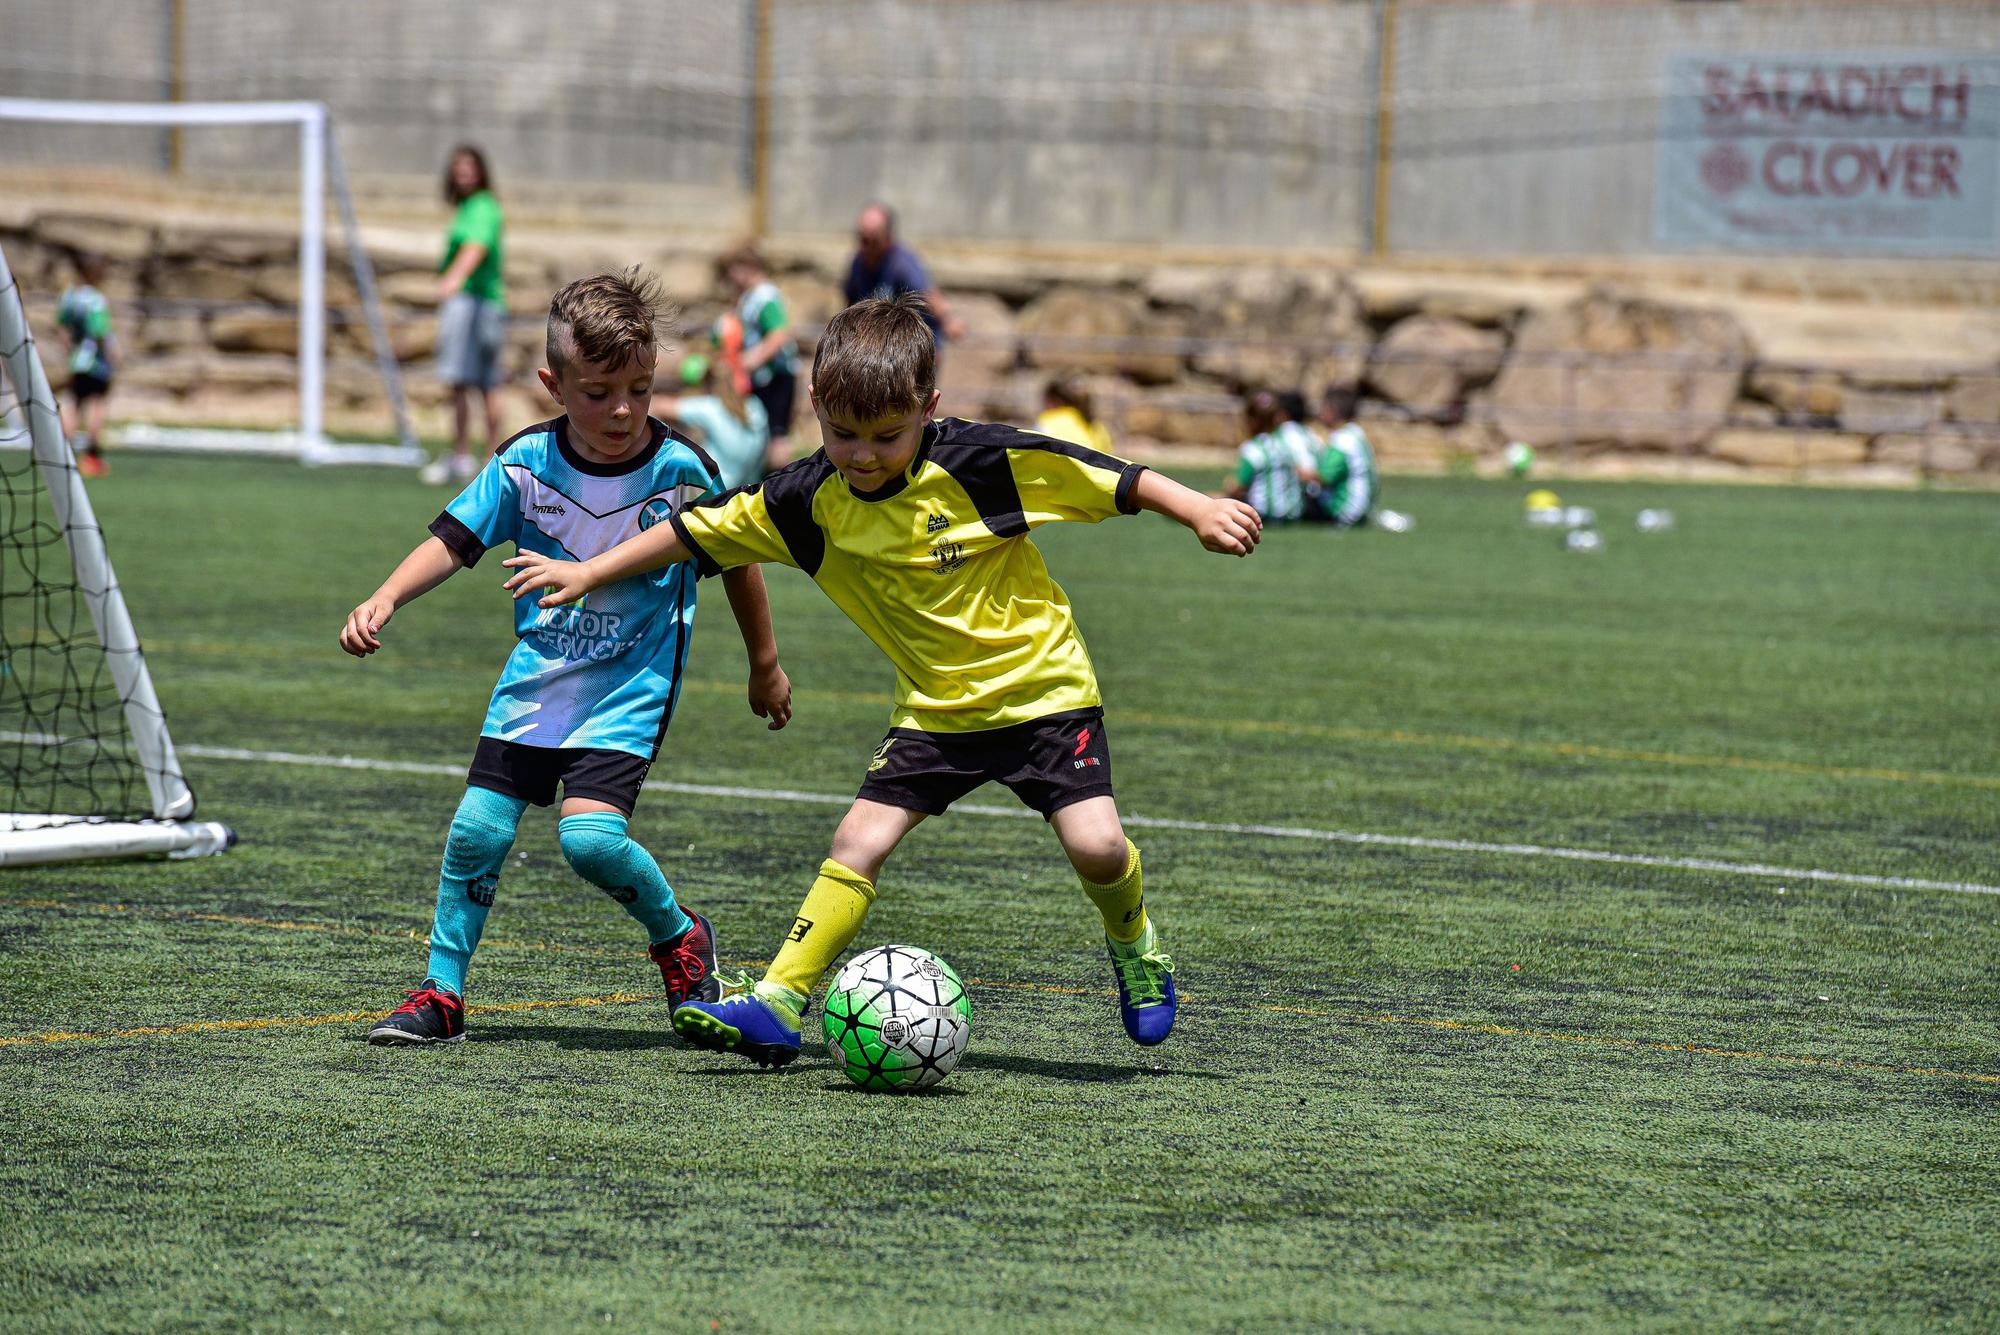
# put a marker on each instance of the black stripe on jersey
(788, 499)
(673, 599)
(987, 477)
(464, 543)
(704, 564)
(657, 433)
(975, 455)
(707, 460)
(537, 429)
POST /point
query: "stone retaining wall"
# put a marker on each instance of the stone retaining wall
(1609, 378)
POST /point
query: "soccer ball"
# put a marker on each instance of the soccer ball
(896, 1019)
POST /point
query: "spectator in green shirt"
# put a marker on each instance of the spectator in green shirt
(472, 311)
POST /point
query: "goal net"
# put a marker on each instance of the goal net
(86, 766)
(54, 131)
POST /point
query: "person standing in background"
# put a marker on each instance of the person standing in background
(769, 350)
(85, 319)
(472, 312)
(884, 267)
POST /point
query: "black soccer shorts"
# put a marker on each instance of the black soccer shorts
(1049, 763)
(531, 773)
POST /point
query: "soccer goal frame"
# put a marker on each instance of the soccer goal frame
(319, 164)
(35, 837)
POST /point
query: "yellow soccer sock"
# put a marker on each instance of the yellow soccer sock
(1122, 903)
(828, 921)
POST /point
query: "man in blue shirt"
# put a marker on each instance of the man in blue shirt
(884, 267)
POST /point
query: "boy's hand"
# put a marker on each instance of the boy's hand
(1228, 526)
(771, 695)
(360, 635)
(566, 581)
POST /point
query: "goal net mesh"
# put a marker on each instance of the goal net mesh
(66, 745)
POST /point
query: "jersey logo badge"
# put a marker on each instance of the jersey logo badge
(937, 523)
(654, 511)
(949, 556)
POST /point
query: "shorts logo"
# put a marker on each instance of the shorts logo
(480, 890)
(881, 756)
(937, 523)
(800, 926)
(1081, 761)
(653, 512)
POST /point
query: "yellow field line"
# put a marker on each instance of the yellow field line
(1339, 1017)
(1305, 728)
(306, 1021)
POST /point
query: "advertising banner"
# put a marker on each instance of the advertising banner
(1833, 154)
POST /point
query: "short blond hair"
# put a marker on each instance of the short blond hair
(877, 358)
(608, 318)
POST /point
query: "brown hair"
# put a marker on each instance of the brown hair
(608, 318)
(1068, 391)
(876, 359)
(452, 194)
(743, 252)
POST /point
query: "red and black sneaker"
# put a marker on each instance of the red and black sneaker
(431, 1015)
(687, 964)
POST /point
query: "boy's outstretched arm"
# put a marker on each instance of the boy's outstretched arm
(770, 688)
(428, 566)
(567, 581)
(1223, 524)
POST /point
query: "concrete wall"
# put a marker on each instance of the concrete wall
(1533, 129)
(1519, 128)
(1198, 123)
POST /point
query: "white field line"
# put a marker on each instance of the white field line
(1803, 874)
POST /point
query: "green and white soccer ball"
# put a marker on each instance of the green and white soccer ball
(896, 1019)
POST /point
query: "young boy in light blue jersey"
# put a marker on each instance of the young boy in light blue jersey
(587, 694)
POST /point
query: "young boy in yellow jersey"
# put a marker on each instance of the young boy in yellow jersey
(917, 529)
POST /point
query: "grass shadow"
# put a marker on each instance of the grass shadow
(1076, 1072)
(578, 1038)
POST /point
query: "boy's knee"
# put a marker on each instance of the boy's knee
(1101, 857)
(591, 845)
(482, 830)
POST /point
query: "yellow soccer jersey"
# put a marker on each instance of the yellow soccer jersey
(936, 567)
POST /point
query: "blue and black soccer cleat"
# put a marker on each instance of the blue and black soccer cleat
(687, 964)
(1145, 988)
(431, 1015)
(746, 1025)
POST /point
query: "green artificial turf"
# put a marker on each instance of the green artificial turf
(1413, 1088)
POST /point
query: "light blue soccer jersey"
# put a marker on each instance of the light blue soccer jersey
(605, 672)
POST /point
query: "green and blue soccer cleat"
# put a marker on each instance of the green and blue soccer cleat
(745, 1024)
(1146, 998)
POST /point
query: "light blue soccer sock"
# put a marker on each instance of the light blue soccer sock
(597, 845)
(482, 830)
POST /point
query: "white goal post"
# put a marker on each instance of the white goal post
(33, 837)
(319, 158)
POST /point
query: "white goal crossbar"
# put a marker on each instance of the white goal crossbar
(318, 153)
